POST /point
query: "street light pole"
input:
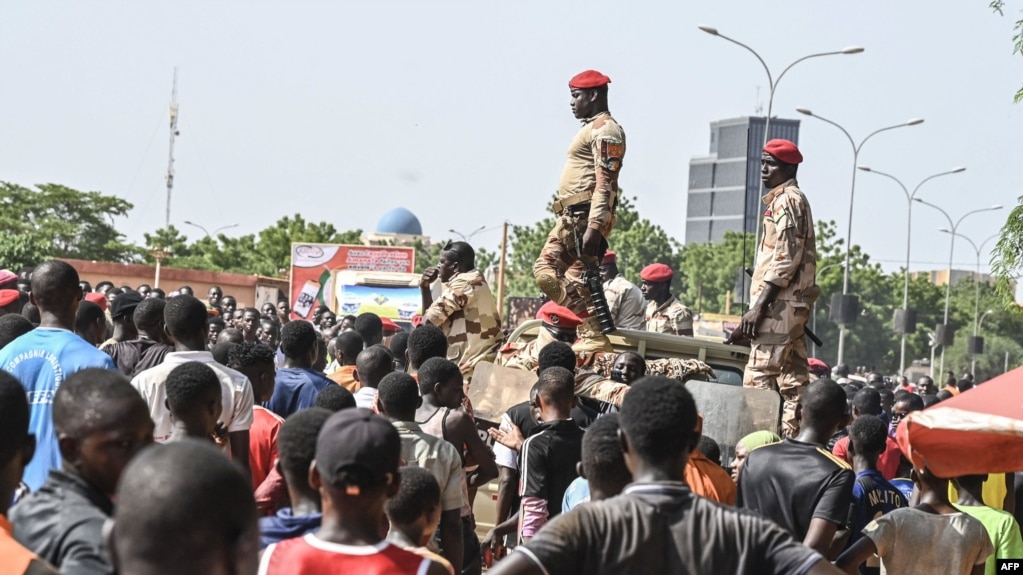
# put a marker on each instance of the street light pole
(953, 226)
(773, 83)
(208, 234)
(909, 223)
(813, 346)
(852, 193)
(471, 234)
(976, 281)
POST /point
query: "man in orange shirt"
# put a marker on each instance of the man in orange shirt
(348, 346)
(706, 478)
(16, 449)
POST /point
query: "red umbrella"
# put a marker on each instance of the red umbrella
(977, 431)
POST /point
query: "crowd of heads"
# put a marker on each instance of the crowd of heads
(335, 459)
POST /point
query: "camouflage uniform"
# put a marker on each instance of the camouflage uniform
(467, 313)
(587, 199)
(626, 302)
(787, 258)
(671, 317)
(593, 379)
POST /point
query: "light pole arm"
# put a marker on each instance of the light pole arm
(770, 78)
(878, 131)
(943, 212)
(789, 67)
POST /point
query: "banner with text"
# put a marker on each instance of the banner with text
(313, 267)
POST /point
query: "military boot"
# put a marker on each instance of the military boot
(590, 338)
(550, 286)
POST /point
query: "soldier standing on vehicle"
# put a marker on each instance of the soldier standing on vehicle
(664, 313)
(585, 206)
(783, 288)
(623, 297)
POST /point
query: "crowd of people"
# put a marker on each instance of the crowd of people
(288, 447)
(349, 445)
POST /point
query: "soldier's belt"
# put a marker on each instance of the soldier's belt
(562, 204)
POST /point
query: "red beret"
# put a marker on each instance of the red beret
(558, 316)
(390, 326)
(7, 277)
(818, 366)
(588, 79)
(609, 257)
(655, 273)
(97, 298)
(784, 150)
(8, 296)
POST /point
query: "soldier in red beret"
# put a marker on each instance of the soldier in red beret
(624, 298)
(783, 289)
(559, 324)
(585, 206)
(664, 312)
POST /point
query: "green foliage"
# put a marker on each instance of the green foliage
(636, 241)
(267, 254)
(1007, 259)
(711, 271)
(18, 251)
(71, 223)
(1017, 38)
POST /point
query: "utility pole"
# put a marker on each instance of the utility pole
(173, 134)
(500, 271)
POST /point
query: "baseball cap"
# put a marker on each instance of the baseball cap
(125, 304)
(361, 443)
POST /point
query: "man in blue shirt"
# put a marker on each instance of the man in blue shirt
(297, 383)
(44, 357)
(873, 496)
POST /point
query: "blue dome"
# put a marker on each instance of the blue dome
(400, 221)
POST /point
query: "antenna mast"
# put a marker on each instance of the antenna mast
(173, 134)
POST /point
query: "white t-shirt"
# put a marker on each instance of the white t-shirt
(957, 540)
(237, 393)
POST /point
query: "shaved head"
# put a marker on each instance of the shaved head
(185, 508)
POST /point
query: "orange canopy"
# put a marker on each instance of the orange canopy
(978, 431)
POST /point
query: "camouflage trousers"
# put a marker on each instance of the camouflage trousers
(559, 271)
(777, 358)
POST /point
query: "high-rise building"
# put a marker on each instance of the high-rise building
(724, 186)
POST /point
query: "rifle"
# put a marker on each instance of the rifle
(596, 289)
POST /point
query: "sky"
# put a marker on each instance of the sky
(459, 111)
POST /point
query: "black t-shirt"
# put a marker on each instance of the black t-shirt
(793, 482)
(135, 356)
(519, 415)
(548, 461)
(664, 528)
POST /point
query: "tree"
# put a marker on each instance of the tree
(72, 223)
(711, 272)
(1007, 259)
(267, 254)
(1017, 38)
(18, 251)
(636, 241)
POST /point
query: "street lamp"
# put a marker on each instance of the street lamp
(468, 239)
(909, 222)
(852, 193)
(953, 226)
(813, 346)
(976, 281)
(774, 82)
(220, 229)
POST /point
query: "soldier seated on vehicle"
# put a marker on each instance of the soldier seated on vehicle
(665, 313)
(559, 324)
